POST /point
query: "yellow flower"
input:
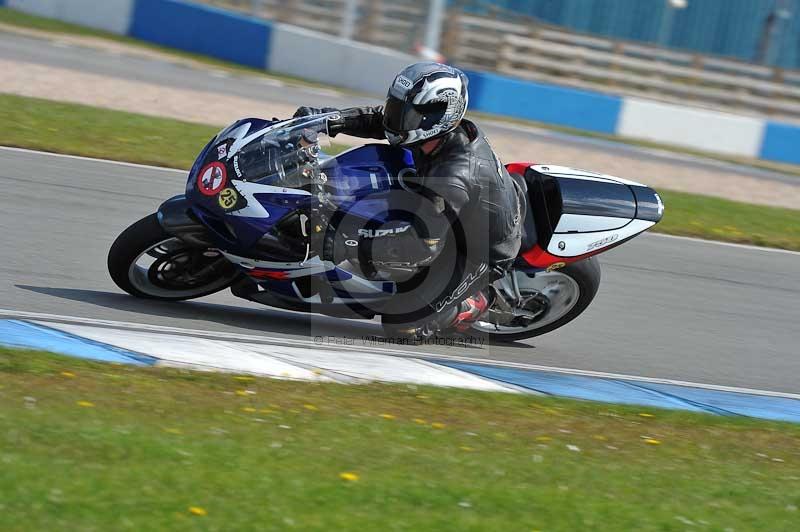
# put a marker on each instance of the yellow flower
(67, 374)
(87, 404)
(348, 476)
(244, 378)
(419, 421)
(196, 510)
(248, 409)
(600, 437)
(387, 416)
(437, 425)
(653, 441)
(467, 449)
(310, 407)
(422, 397)
(645, 414)
(543, 438)
(241, 393)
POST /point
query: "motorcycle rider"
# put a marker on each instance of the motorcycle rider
(467, 223)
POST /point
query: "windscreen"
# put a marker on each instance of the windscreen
(286, 154)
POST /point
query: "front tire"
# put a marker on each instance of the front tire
(147, 262)
(562, 296)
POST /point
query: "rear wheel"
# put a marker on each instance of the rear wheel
(528, 306)
(147, 262)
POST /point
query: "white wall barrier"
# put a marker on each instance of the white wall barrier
(319, 57)
(108, 15)
(699, 129)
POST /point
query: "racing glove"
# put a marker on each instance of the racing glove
(365, 122)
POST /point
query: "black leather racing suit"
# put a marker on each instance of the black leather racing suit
(474, 229)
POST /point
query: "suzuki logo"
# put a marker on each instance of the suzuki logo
(370, 233)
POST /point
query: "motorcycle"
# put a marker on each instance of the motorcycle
(270, 215)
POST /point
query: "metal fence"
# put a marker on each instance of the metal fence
(542, 53)
(522, 47)
(396, 24)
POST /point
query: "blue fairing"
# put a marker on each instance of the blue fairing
(365, 169)
(359, 182)
(356, 179)
(364, 176)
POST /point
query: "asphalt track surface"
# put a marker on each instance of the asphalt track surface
(177, 75)
(667, 308)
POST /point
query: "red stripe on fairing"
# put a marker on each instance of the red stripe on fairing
(278, 275)
(536, 256)
(518, 168)
(539, 258)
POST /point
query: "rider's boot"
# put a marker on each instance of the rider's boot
(465, 315)
(472, 309)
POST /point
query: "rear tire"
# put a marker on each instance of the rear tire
(172, 258)
(586, 275)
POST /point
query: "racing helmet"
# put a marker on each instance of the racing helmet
(426, 100)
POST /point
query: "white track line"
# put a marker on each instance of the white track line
(91, 159)
(224, 335)
(726, 244)
(148, 167)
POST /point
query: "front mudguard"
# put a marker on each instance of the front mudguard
(176, 218)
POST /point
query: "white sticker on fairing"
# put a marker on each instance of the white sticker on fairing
(574, 244)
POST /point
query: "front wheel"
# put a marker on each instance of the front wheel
(147, 262)
(531, 305)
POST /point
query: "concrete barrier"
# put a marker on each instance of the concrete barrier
(108, 15)
(319, 57)
(698, 129)
(203, 30)
(781, 143)
(501, 95)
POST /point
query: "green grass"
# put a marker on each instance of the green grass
(90, 446)
(730, 221)
(89, 131)
(93, 132)
(24, 20)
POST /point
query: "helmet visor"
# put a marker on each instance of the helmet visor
(400, 116)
